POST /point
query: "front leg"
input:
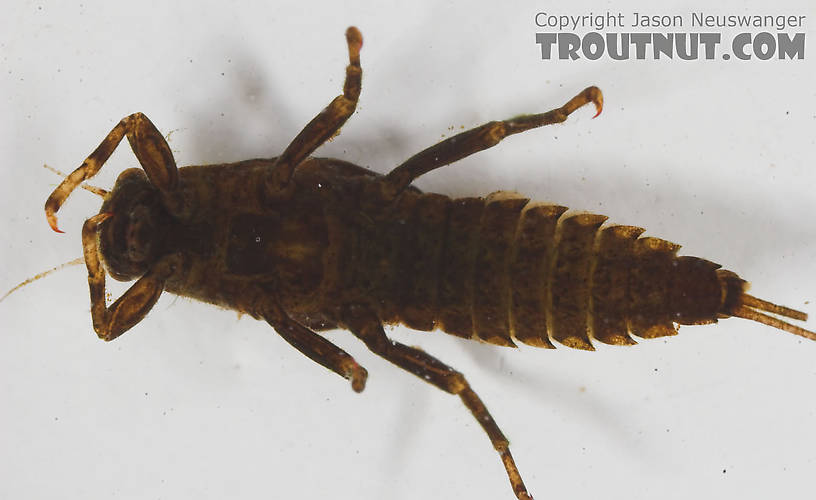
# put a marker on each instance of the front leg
(136, 302)
(150, 149)
(322, 127)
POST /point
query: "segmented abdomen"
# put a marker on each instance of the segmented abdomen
(501, 269)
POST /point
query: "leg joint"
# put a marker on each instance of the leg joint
(493, 134)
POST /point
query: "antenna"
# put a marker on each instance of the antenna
(43, 274)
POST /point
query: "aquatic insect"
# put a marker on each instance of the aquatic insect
(310, 244)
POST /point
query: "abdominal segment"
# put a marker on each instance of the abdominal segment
(503, 270)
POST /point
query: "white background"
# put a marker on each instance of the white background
(196, 403)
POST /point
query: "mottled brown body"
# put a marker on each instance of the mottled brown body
(502, 269)
(495, 269)
(311, 243)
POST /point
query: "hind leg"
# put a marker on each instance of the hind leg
(367, 327)
(475, 140)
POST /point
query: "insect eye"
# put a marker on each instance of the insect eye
(138, 234)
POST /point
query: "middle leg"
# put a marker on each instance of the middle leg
(323, 126)
(315, 347)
